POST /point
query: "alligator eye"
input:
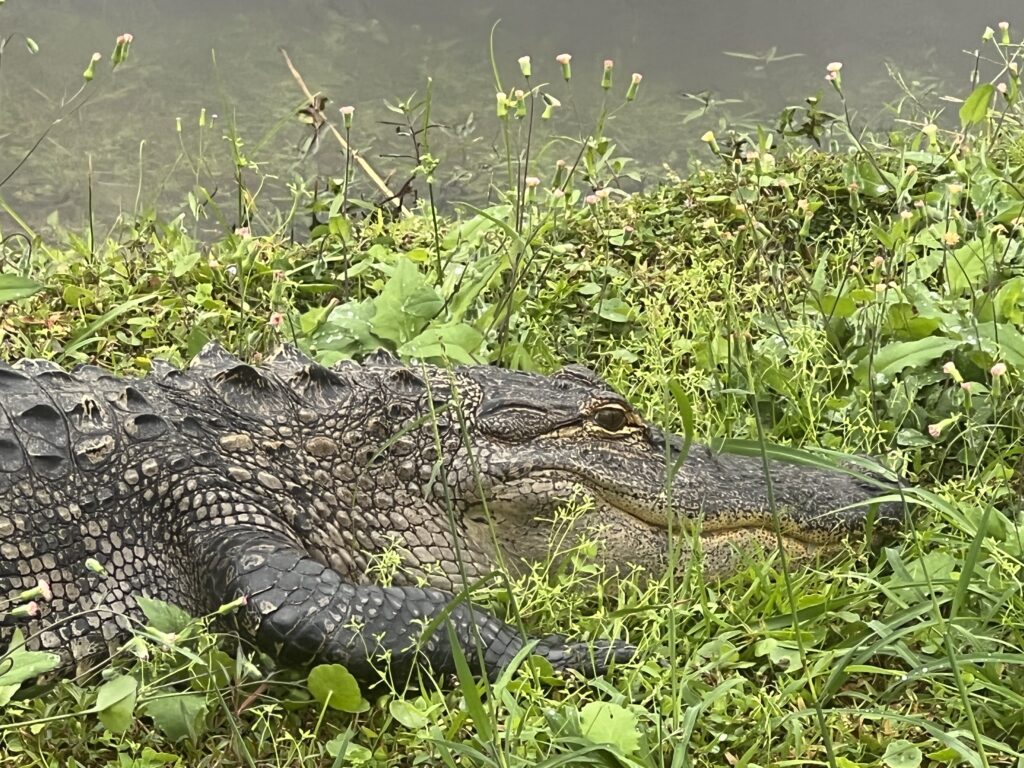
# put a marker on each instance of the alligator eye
(611, 419)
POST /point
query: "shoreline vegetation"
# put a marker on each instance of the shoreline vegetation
(808, 283)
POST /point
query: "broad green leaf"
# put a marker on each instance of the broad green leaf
(968, 267)
(605, 723)
(418, 255)
(312, 320)
(179, 717)
(975, 107)
(184, 263)
(78, 296)
(405, 712)
(1010, 300)
(840, 307)
(343, 748)
(340, 227)
(465, 288)
(216, 671)
(14, 287)
(115, 702)
(783, 655)
(902, 754)
(407, 303)
(457, 342)
(614, 309)
(19, 664)
(1007, 340)
(893, 358)
(150, 758)
(334, 686)
(164, 616)
(346, 331)
(475, 228)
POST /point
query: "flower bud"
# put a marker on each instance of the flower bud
(346, 116)
(29, 610)
(41, 590)
(550, 104)
(709, 139)
(90, 71)
(233, 606)
(564, 59)
(559, 174)
(121, 47)
(606, 76)
(524, 66)
(950, 369)
(520, 102)
(634, 86)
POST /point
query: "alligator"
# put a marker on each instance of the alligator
(278, 488)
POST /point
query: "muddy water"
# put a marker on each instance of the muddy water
(705, 64)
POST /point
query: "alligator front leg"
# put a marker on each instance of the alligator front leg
(303, 612)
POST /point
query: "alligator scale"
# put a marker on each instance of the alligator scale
(284, 483)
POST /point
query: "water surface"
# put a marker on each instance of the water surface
(705, 64)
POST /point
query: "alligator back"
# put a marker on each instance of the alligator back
(75, 448)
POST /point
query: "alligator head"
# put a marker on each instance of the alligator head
(533, 442)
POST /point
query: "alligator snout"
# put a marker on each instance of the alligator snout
(814, 502)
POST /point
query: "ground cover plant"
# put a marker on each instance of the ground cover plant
(865, 298)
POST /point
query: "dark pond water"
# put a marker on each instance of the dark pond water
(704, 63)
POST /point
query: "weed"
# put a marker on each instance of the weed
(866, 299)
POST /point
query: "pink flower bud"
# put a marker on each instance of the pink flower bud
(346, 116)
(564, 59)
(634, 86)
(606, 76)
(997, 370)
(30, 610)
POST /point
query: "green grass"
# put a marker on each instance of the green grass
(817, 296)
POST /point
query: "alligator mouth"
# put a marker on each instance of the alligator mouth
(732, 526)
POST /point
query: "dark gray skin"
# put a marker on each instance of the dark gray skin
(282, 484)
